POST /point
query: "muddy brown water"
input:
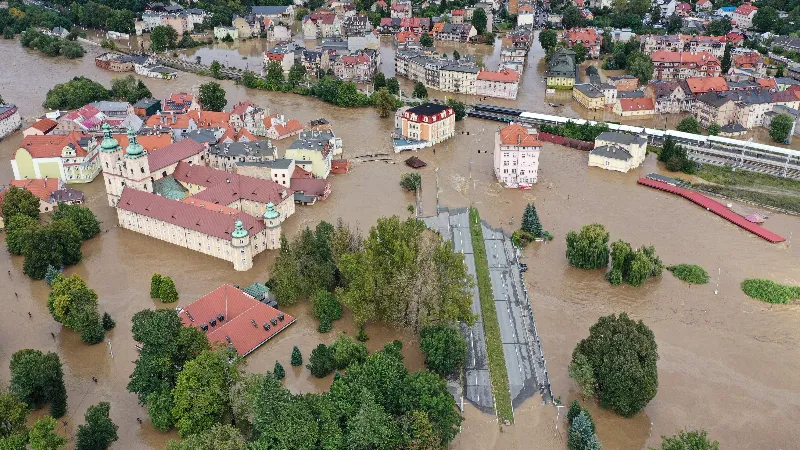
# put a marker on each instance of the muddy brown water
(728, 363)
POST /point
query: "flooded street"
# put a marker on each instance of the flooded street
(727, 363)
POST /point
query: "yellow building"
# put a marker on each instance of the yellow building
(588, 96)
(313, 151)
(562, 70)
(71, 157)
(618, 151)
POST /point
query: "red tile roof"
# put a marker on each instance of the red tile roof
(210, 119)
(299, 173)
(748, 60)
(41, 188)
(684, 57)
(636, 104)
(44, 125)
(50, 146)
(291, 126)
(519, 136)
(504, 75)
(173, 153)
(225, 188)
(701, 85)
(768, 83)
(218, 223)
(745, 9)
(241, 107)
(240, 312)
(150, 142)
(180, 121)
(684, 6)
(458, 12)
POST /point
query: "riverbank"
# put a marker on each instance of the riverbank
(759, 189)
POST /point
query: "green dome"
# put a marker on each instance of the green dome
(239, 232)
(134, 150)
(109, 144)
(271, 213)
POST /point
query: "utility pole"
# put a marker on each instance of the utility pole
(437, 191)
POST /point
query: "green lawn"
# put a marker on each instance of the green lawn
(491, 328)
(743, 178)
(787, 202)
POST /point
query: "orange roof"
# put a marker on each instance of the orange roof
(50, 146)
(438, 27)
(268, 120)
(404, 36)
(458, 12)
(701, 85)
(44, 125)
(585, 35)
(746, 9)
(150, 142)
(747, 60)
(637, 104)
(41, 188)
(519, 136)
(170, 120)
(769, 83)
(210, 119)
(504, 75)
(291, 126)
(235, 136)
(525, 7)
(683, 57)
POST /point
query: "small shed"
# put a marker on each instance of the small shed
(415, 163)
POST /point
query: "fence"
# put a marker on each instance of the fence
(565, 141)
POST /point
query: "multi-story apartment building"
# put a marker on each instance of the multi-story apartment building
(669, 65)
(516, 156)
(562, 70)
(430, 122)
(10, 120)
(360, 66)
(743, 16)
(501, 84)
(715, 45)
(668, 96)
(587, 37)
(71, 157)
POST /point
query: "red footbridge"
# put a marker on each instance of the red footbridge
(715, 207)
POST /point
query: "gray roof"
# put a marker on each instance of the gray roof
(714, 99)
(589, 90)
(146, 103)
(281, 164)
(612, 151)
(269, 10)
(621, 138)
(733, 128)
(562, 64)
(105, 105)
(312, 140)
(786, 80)
(202, 135)
(233, 149)
(630, 94)
(67, 195)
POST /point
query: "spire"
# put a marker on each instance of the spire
(134, 150)
(238, 232)
(271, 214)
(109, 144)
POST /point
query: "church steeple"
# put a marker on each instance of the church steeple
(109, 144)
(134, 149)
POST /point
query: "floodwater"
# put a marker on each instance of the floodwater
(727, 363)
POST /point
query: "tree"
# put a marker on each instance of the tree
(581, 436)
(75, 93)
(278, 371)
(667, 150)
(530, 221)
(720, 27)
(202, 393)
(274, 75)
(713, 129)
(479, 20)
(19, 228)
(393, 85)
(378, 81)
(43, 436)
(575, 409)
(580, 371)
(655, 15)
(346, 351)
(548, 39)
(426, 40)
(37, 378)
(623, 356)
(580, 53)
(13, 412)
(74, 305)
(159, 409)
(779, 72)
(57, 244)
(444, 347)
(726, 59)
(155, 286)
(212, 96)
(372, 427)
(167, 291)
(297, 357)
(420, 91)
(411, 181)
(216, 69)
(459, 108)
(297, 74)
(674, 24)
(326, 309)
(688, 440)
(321, 363)
(588, 249)
(689, 125)
(163, 37)
(456, 55)
(218, 437)
(99, 432)
(384, 101)
(781, 127)
(640, 66)
(22, 202)
(766, 19)
(571, 17)
(129, 89)
(81, 217)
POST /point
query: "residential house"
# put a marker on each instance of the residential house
(457, 16)
(618, 151)
(181, 103)
(590, 96)
(501, 84)
(669, 65)
(629, 107)
(562, 70)
(222, 33)
(10, 120)
(317, 26)
(146, 107)
(525, 16)
(703, 5)
(360, 66)
(785, 83)
(742, 17)
(456, 32)
(749, 64)
(248, 26)
(70, 157)
(276, 127)
(715, 45)
(313, 151)
(587, 37)
(516, 156)
(283, 53)
(49, 191)
(668, 96)
(277, 14)
(683, 9)
(624, 82)
(667, 7)
(430, 122)
(277, 170)
(714, 108)
(400, 10)
(41, 127)
(356, 25)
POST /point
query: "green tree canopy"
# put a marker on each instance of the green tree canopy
(296, 74)
(43, 436)
(426, 40)
(19, 228)
(347, 351)
(384, 101)
(326, 309)
(548, 39)
(781, 127)
(444, 347)
(420, 91)
(278, 371)
(13, 413)
(129, 89)
(411, 181)
(212, 96)
(688, 440)
(588, 249)
(689, 125)
(581, 435)
(218, 437)
(623, 356)
(719, 27)
(393, 85)
(479, 20)
(581, 371)
(99, 432)
(37, 379)
(766, 19)
(57, 244)
(81, 217)
(17, 201)
(640, 66)
(163, 37)
(155, 286)
(321, 362)
(166, 290)
(75, 93)
(297, 357)
(459, 108)
(378, 81)
(580, 53)
(713, 129)
(73, 304)
(530, 221)
(726, 59)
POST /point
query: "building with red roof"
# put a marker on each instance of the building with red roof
(742, 17)
(400, 10)
(587, 37)
(71, 157)
(683, 9)
(40, 127)
(627, 107)
(704, 5)
(360, 66)
(180, 103)
(503, 83)
(669, 65)
(230, 316)
(516, 156)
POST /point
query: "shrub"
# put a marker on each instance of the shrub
(521, 238)
(320, 363)
(108, 322)
(167, 292)
(297, 357)
(326, 309)
(347, 351)
(770, 291)
(588, 249)
(689, 273)
(411, 181)
(444, 347)
(155, 286)
(278, 371)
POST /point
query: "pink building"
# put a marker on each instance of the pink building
(516, 156)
